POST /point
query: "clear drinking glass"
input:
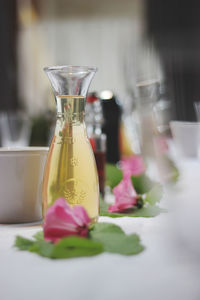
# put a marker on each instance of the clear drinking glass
(147, 96)
(197, 110)
(186, 137)
(14, 129)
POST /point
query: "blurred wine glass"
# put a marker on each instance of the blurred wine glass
(14, 129)
(197, 110)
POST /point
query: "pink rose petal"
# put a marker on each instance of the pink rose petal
(133, 166)
(125, 196)
(62, 220)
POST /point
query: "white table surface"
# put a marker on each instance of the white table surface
(169, 268)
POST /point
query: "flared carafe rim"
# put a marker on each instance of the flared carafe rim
(71, 69)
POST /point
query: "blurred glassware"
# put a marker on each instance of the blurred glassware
(186, 137)
(197, 110)
(146, 99)
(15, 129)
(129, 137)
(154, 116)
(93, 114)
(142, 74)
(162, 111)
(94, 122)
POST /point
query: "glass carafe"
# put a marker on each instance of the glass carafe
(70, 170)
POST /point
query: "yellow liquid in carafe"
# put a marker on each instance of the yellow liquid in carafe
(70, 170)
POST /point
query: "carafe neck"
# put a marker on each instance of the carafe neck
(70, 108)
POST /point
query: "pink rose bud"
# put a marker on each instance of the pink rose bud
(132, 166)
(125, 196)
(62, 220)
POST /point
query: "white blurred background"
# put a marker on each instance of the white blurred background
(106, 34)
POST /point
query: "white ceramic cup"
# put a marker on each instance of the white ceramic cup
(186, 137)
(21, 175)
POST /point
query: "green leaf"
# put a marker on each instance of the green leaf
(66, 248)
(106, 228)
(173, 171)
(147, 211)
(142, 184)
(104, 237)
(75, 247)
(39, 236)
(42, 248)
(154, 195)
(122, 244)
(38, 246)
(23, 243)
(113, 175)
(115, 240)
(176, 175)
(103, 206)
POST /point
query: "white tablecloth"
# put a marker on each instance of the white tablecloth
(167, 269)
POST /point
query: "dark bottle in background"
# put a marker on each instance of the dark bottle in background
(111, 126)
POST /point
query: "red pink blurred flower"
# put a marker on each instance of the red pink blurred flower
(62, 220)
(132, 166)
(125, 196)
